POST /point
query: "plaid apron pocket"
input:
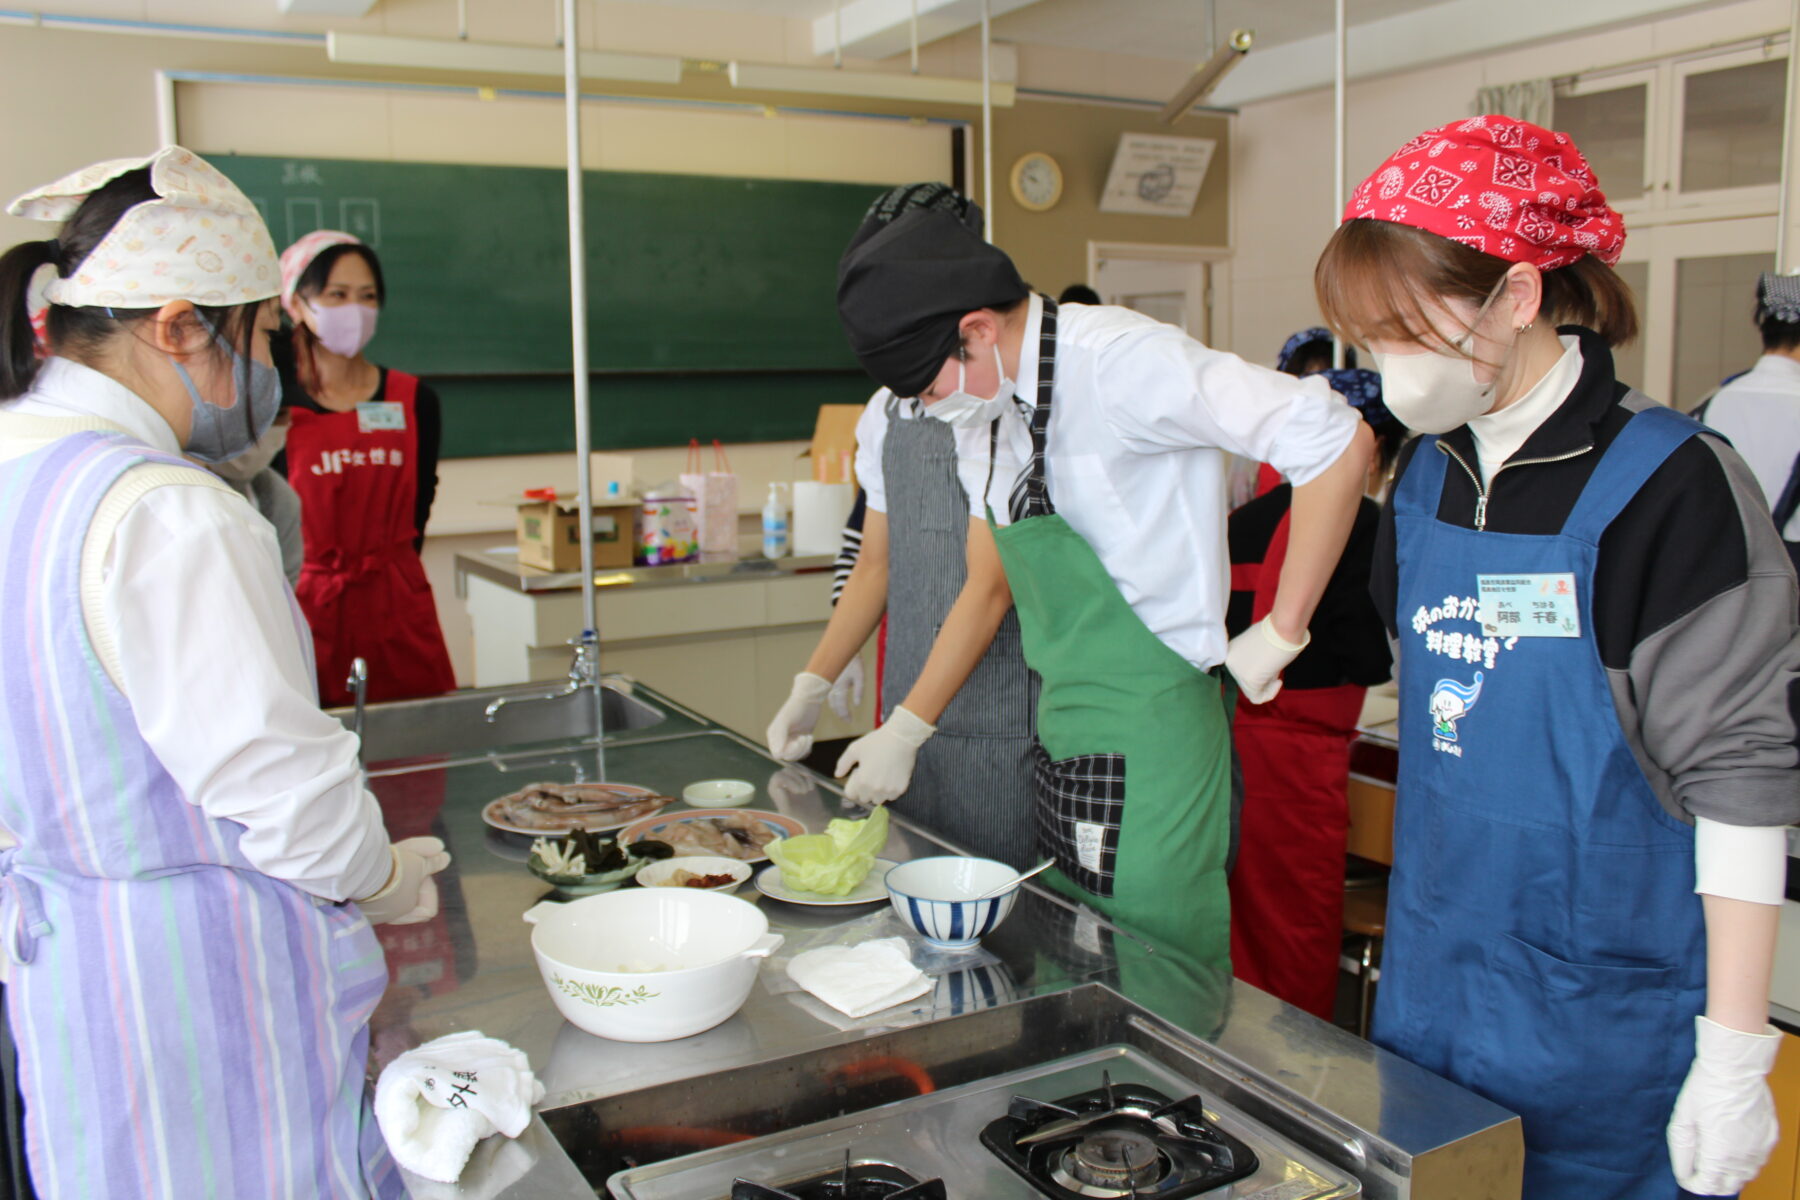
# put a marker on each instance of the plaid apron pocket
(1081, 806)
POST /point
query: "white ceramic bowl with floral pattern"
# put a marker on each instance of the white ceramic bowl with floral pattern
(650, 964)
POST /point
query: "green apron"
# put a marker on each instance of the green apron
(1134, 757)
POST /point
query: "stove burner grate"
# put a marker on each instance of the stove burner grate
(1120, 1142)
(857, 1181)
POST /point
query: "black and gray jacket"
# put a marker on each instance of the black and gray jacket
(1694, 598)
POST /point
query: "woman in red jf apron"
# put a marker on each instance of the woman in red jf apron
(362, 452)
(1108, 515)
(1598, 658)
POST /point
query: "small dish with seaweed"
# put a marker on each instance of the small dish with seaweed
(581, 863)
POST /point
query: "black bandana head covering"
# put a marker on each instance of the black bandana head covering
(1778, 298)
(916, 266)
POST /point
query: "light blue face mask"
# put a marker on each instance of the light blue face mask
(214, 436)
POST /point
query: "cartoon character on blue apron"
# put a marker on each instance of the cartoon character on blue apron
(1450, 703)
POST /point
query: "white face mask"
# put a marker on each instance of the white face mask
(1433, 392)
(962, 410)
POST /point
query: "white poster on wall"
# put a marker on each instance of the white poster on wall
(1158, 176)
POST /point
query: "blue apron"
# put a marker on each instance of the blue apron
(1545, 947)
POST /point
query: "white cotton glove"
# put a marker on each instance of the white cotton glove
(410, 895)
(791, 732)
(1724, 1125)
(847, 692)
(880, 764)
(1257, 657)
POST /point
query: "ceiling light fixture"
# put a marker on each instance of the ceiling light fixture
(1207, 75)
(493, 58)
(875, 85)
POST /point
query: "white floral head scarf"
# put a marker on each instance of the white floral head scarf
(200, 240)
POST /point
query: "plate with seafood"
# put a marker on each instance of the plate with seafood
(740, 833)
(540, 809)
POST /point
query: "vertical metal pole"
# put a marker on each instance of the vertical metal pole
(915, 37)
(987, 126)
(588, 652)
(1337, 158)
(462, 20)
(166, 132)
(837, 33)
(1787, 254)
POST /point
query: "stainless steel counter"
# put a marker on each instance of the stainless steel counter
(1393, 1124)
(503, 567)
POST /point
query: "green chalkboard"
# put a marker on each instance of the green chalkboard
(710, 299)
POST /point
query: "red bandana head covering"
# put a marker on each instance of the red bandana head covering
(1502, 186)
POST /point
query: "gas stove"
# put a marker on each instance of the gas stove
(1109, 1124)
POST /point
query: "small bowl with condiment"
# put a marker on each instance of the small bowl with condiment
(718, 793)
(696, 872)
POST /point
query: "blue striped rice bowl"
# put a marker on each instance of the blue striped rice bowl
(935, 897)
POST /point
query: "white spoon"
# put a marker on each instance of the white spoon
(1015, 882)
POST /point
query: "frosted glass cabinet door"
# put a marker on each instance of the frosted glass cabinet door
(1611, 124)
(1715, 336)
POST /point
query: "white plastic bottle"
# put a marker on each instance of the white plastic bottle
(775, 524)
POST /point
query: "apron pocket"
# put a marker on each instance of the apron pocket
(1081, 805)
(1590, 1054)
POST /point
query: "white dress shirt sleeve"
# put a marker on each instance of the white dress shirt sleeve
(871, 433)
(214, 669)
(1740, 862)
(1162, 390)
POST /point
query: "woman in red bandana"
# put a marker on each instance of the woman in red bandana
(362, 450)
(1598, 665)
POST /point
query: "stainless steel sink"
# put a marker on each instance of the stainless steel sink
(457, 724)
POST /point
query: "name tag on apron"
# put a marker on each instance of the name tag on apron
(380, 416)
(1528, 606)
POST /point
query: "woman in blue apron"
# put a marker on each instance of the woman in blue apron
(1598, 655)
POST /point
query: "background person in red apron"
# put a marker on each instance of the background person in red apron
(1287, 885)
(362, 450)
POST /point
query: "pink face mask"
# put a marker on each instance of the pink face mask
(344, 328)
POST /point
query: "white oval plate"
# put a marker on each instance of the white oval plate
(871, 890)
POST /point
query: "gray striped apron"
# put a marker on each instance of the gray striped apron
(972, 784)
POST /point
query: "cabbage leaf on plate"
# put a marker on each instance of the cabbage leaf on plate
(832, 863)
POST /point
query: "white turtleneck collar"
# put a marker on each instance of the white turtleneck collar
(1498, 435)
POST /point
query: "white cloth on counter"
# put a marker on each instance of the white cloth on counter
(193, 621)
(863, 979)
(1142, 429)
(436, 1102)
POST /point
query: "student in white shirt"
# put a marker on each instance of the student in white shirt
(1113, 539)
(1760, 409)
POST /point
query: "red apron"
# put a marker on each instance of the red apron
(1287, 890)
(362, 586)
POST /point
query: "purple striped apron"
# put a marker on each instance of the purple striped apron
(187, 1026)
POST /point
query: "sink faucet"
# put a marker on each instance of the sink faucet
(584, 672)
(358, 684)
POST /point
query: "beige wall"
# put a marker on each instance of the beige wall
(1051, 247)
(1281, 181)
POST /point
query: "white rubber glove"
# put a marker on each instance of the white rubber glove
(410, 895)
(880, 764)
(1724, 1125)
(790, 735)
(847, 692)
(1257, 657)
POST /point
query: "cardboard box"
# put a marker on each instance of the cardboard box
(550, 534)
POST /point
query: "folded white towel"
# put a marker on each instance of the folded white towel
(434, 1103)
(859, 980)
